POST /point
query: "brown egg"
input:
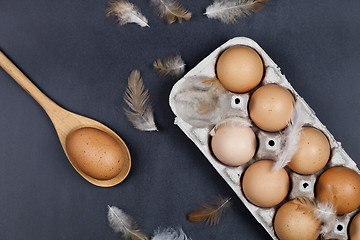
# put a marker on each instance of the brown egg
(271, 107)
(296, 221)
(341, 187)
(234, 145)
(240, 69)
(264, 187)
(313, 152)
(354, 230)
(95, 152)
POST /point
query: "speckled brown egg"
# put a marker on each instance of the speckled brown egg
(240, 69)
(341, 187)
(271, 107)
(264, 187)
(95, 152)
(296, 221)
(313, 152)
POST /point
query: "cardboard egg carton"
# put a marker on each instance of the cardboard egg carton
(269, 143)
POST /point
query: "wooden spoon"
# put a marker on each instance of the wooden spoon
(66, 122)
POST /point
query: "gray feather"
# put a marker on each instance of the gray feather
(200, 103)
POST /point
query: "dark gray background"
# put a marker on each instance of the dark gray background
(81, 59)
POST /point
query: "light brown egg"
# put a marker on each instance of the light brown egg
(95, 152)
(354, 230)
(313, 152)
(271, 107)
(234, 145)
(240, 69)
(341, 187)
(264, 187)
(296, 221)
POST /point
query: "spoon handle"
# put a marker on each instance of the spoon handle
(46, 103)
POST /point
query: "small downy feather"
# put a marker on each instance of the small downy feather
(169, 233)
(210, 212)
(215, 84)
(125, 12)
(137, 98)
(216, 88)
(119, 221)
(291, 136)
(231, 121)
(170, 10)
(199, 104)
(325, 213)
(229, 11)
(173, 66)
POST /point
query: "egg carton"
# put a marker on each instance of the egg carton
(269, 143)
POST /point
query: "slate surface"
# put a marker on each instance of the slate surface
(81, 59)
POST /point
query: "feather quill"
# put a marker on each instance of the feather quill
(125, 12)
(210, 212)
(173, 66)
(291, 137)
(119, 221)
(229, 11)
(137, 98)
(170, 10)
(170, 234)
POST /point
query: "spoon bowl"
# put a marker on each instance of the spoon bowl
(66, 122)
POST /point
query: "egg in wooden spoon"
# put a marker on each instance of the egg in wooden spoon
(96, 152)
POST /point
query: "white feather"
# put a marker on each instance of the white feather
(138, 99)
(125, 12)
(119, 221)
(232, 121)
(174, 66)
(325, 213)
(291, 137)
(169, 234)
(228, 11)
